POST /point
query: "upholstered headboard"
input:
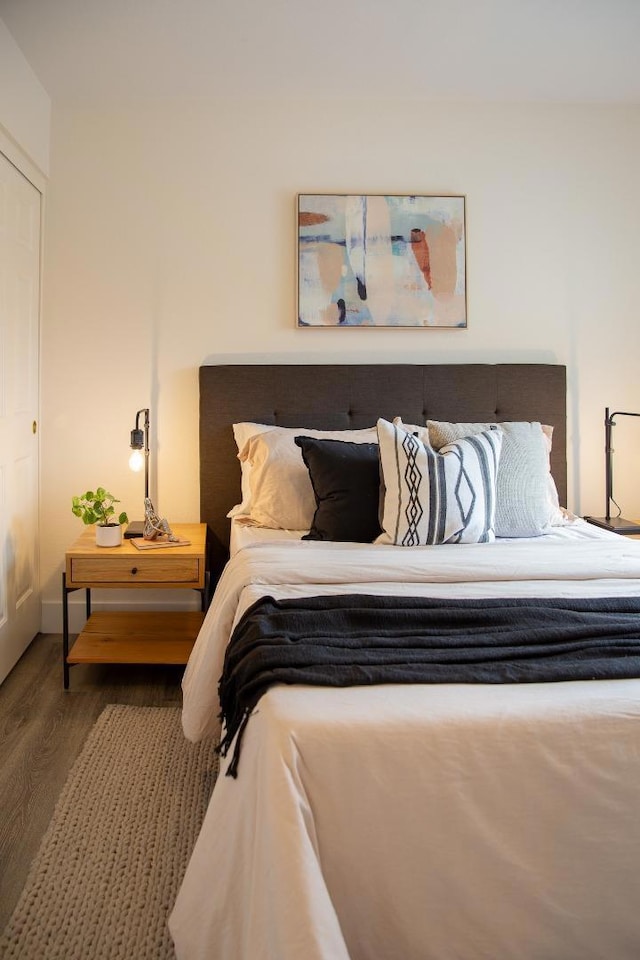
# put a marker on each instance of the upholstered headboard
(346, 396)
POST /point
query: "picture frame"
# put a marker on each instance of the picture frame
(381, 260)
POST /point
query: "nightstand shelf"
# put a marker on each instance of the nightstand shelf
(137, 637)
(124, 636)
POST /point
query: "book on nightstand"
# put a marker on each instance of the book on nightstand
(142, 544)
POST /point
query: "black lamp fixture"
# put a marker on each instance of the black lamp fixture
(139, 458)
(616, 524)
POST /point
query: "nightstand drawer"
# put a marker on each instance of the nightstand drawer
(149, 570)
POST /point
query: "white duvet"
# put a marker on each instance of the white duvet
(420, 822)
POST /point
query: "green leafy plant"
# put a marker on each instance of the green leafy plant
(97, 508)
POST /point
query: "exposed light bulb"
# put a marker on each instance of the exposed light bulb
(136, 461)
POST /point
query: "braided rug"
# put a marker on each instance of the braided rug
(110, 864)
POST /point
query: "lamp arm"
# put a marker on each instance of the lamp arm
(608, 477)
(146, 453)
(145, 410)
(609, 422)
(618, 413)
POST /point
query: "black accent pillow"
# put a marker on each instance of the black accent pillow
(345, 477)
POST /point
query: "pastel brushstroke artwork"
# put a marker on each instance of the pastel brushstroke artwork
(381, 261)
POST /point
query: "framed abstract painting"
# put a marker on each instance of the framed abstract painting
(381, 261)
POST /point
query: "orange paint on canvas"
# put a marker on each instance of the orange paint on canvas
(444, 268)
(330, 261)
(420, 249)
(306, 219)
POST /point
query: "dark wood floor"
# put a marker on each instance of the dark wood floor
(42, 729)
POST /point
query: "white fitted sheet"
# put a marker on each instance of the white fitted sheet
(244, 536)
(420, 821)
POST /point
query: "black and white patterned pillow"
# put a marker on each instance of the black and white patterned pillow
(430, 496)
(527, 495)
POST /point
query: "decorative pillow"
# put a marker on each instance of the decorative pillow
(345, 477)
(524, 507)
(280, 491)
(438, 497)
(558, 515)
(421, 432)
(241, 433)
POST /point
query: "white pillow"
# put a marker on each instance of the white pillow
(527, 503)
(559, 517)
(435, 497)
(280, 495)
(421, 432)
(241, 433)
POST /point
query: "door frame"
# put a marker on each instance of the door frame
(28, 169)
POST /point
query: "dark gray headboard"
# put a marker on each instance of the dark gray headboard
(350, 396)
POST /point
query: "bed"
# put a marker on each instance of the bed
(415, 820)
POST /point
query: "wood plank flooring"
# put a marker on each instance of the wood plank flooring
(42, 730)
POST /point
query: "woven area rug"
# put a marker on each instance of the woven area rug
(111, 862)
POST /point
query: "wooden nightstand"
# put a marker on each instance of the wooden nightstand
(134, 636)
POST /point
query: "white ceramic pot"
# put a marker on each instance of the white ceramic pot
(109, 535)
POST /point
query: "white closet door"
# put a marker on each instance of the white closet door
(19, 326)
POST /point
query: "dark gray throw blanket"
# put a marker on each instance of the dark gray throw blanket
(353, 639)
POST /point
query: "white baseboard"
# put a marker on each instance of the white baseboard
(52, 609)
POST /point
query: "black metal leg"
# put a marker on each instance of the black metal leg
(88, 602)
(65, 631)
(205, 595)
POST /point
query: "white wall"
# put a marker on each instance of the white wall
(171, 242)
(25, 107)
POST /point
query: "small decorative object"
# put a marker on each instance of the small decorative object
(381, 261)
(98, 507)
(616, 524)
(155, 527)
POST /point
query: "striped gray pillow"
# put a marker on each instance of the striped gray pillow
(437, 497)
(525, 487)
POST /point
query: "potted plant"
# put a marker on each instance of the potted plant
(99, 508)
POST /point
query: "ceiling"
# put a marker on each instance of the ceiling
(540, 50)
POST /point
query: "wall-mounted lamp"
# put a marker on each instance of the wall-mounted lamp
(139, 458)
(616, 524)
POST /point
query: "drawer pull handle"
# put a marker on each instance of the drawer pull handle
(134, 570)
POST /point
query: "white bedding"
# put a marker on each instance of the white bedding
(419, 822)
(244, 536)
